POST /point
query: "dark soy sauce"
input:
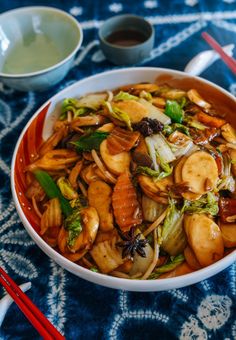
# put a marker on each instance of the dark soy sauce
(126, 38)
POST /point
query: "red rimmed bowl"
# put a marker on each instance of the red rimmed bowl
(40, 127)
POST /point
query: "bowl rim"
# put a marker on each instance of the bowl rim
(64, 60)
(103, 279)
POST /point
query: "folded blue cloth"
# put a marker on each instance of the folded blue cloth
(82, 310)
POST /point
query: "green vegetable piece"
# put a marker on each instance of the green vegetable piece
(169, 129)
(145, 95)
(66, 189)
(159, 151)
(174, 111)
(81, 111)
(79, 203)
(74, 227)
(152, 152)
(72, 104)
(92, 101)
(173, 239)
(167, 169)
(63, 116)
(153, 173)
(94, 269)
(119, 114)
(90, 141)
(196, 124)
(124, 96)
(182, 128)
(160, 154)
(208, 204)
(52, 190)
(172, 217)
(183, 102)
(123, 116)
(169, 266)
(226, 183)
(69, 104)
(147, 171)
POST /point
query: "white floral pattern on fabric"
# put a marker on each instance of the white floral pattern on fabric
(127, 314)
(206, 285)
(56, 298)
(214, 311)
(233, 278)
(115, 7)
(150, 4)
(9, 258)
(76, 11)
(98, 57)
(191, 330)
(30, 102)
(178, 293)
(234, 330)
(191, 2)
(233, 89)
(5, 116)
(4, 167)
(229, 26)
(229, 1)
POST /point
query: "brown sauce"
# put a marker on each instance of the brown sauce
(126, 38)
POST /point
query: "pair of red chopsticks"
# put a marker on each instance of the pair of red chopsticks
(33, 314)
(229, 61)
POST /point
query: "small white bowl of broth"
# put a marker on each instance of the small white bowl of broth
(126, 39)
(38, 46)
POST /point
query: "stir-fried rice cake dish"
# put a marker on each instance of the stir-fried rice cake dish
(138, 182)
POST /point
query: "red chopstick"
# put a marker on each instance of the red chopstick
(229, 61)
(33, 314)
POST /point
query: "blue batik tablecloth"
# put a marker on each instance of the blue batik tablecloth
(79, 309)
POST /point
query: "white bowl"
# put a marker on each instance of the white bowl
(100, 82)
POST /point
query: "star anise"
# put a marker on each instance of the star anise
(132, 243)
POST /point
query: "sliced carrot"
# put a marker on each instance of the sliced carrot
(210, 120)
(121, 140)
(125, 204)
